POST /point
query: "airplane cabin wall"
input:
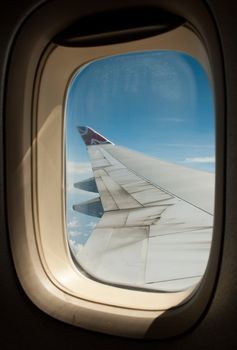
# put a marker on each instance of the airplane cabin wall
(23, 325)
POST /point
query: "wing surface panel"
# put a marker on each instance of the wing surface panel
(191, 185)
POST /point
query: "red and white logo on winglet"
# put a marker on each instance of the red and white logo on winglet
(91, 137)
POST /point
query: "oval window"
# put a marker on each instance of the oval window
(140, 170)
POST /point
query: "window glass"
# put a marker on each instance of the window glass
(140, 163)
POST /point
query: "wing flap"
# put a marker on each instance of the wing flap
(149, 248)
(122, 199)
(116, 255)
(106, 198)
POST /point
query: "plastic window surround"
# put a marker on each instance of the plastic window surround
(49, 132)
(58, 287)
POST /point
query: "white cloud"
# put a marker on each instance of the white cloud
(200, 160)
(73, 234)
(78, 168)
(75, 247)
(75, 172)
(91, 224)
(73, 224)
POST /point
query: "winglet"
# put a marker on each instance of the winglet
(91, 137)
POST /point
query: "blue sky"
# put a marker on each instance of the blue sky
(157, 102)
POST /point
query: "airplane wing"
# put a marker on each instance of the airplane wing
(156, 219)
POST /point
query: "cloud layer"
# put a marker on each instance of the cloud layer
(78, 168)
(200, 160)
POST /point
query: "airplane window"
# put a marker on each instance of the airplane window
(140, 164)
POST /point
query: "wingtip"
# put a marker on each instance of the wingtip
(82, 129)
(91, 137)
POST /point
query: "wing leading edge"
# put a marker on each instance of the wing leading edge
(152, 234)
